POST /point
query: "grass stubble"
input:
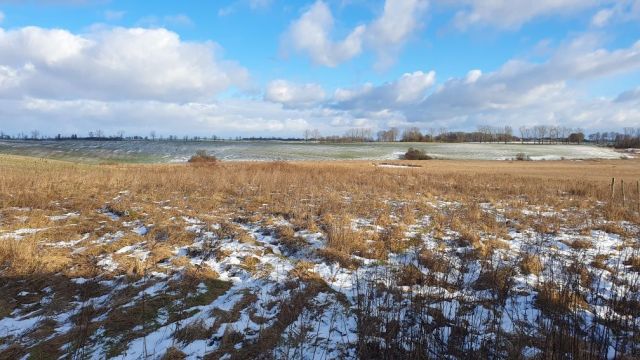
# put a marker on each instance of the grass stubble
(460, 289)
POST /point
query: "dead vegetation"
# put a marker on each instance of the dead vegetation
(440, 255)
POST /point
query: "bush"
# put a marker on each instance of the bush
(201, 156)
(522, 157)
(415, 154)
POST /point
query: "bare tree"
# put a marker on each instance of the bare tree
(432, 133)
(152, 135)
(508, 133)
(35, 134)
(540, 131)
(553, 133)
(442, 132)
(315, 134)
(393, 134)
(523, 133)
(412, 134)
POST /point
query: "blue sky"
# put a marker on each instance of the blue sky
(271, 67)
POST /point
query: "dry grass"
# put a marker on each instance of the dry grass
(362, 211)
(333, 193)
(531, 264)
(558, 302)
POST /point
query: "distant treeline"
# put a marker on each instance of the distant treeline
(101, 136)
(539, 134)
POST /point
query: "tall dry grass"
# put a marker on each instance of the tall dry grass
(329, 197)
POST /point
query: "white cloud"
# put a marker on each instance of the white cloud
(602, 17)
(398, 22)
(116, 63)
(410, 88)
(511, 14)
(473, 76)
(141, 79)
(294, 95)
(311, 33)
(621, 11)
(527, 93)
(520, 92)
(230, 117)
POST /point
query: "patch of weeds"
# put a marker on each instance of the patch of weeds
(191, 332)
(531, 264)
(215, 288)
(410, 275)
(173, 353)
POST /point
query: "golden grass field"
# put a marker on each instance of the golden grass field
(500, 228)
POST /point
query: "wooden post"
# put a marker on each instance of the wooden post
(613, 183)
(622, 189)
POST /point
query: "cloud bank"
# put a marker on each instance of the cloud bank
(140, 79)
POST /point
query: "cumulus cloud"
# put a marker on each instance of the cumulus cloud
(294, 95)
(519, 92)
(398, 22)
(473, 76)
(523, 92)
(511, 14)
(312, 33)
(410, 88)
(110, 64)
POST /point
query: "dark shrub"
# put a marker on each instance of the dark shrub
(522, 157)
(415, 154)
(201, 156)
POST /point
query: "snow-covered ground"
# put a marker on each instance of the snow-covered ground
(178, 151)
(243, 288)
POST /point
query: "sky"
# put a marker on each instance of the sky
(277, 68)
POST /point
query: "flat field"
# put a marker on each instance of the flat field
(320, 260)
(139, 151)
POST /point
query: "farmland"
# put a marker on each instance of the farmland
(178, 151)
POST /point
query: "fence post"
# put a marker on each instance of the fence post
(613, 183)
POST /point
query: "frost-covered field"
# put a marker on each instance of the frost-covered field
(165, 151)
(240, 261)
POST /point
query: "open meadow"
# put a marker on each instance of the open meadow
(320, 260)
